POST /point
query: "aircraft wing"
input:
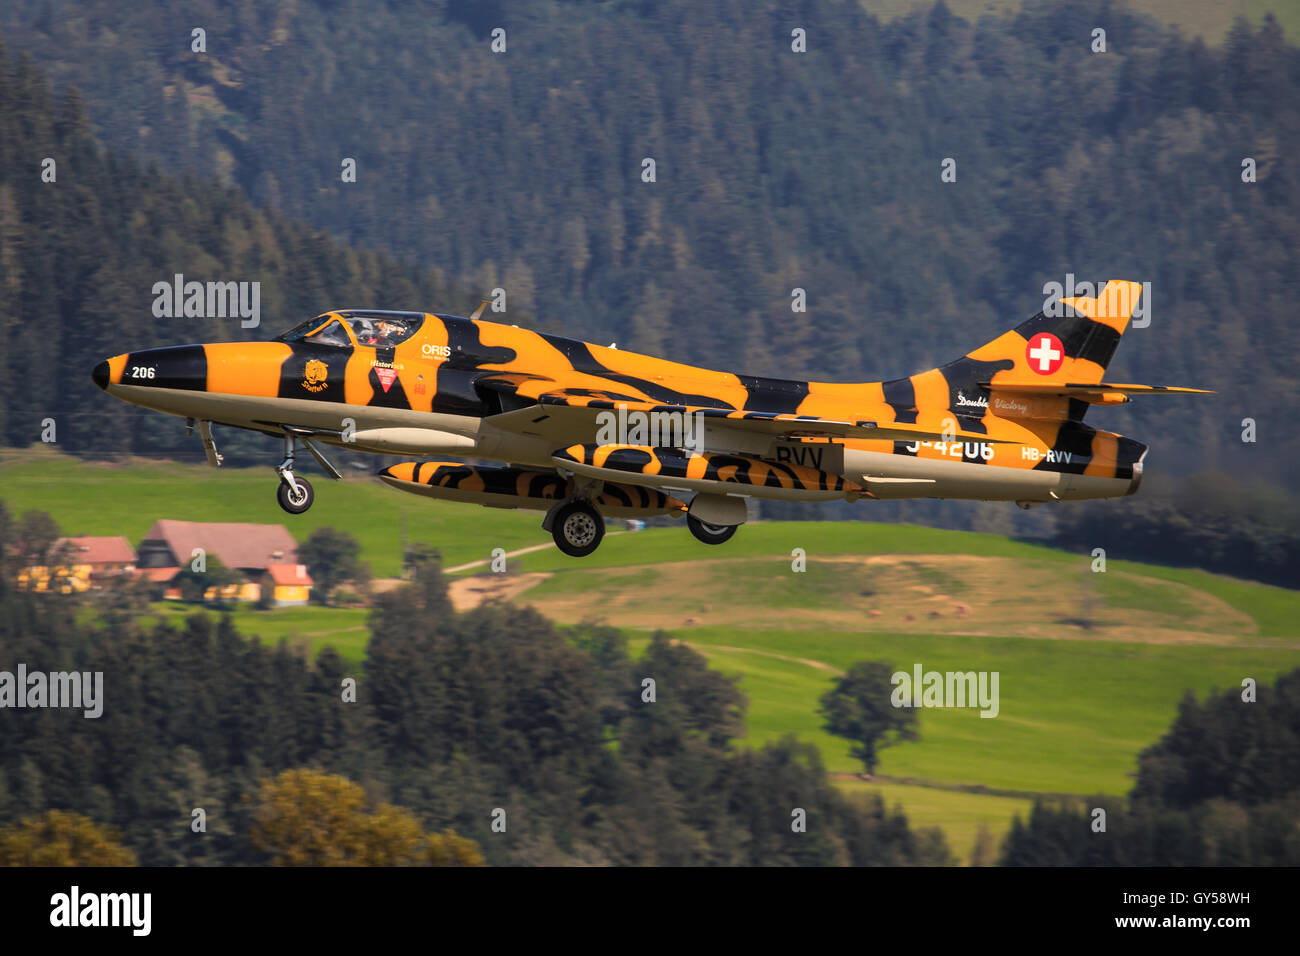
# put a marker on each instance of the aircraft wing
(569, 412)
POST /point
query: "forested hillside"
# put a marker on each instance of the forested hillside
(775, 170)
(79, 257)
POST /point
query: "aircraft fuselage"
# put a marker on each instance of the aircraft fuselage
(425, 396)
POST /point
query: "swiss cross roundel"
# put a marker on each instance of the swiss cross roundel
(1044, 353)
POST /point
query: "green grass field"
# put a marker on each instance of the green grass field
(1077, 706)
(1073, 714)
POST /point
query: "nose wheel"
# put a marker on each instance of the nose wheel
(297, 497)
(295, 494)
(577, 528)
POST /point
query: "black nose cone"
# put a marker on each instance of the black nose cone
(100, 375)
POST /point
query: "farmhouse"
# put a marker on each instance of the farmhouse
(286, 584)
(251, 549)
(87, 562)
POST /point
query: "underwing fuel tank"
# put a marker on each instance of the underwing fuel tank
(498, 486)
(412, 441)
(711, 472)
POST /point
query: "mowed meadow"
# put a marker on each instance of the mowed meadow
(1091, 666)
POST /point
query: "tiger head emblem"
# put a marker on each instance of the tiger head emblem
(314, 375)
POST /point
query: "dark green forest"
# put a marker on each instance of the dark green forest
(78, 258)
(775, 171)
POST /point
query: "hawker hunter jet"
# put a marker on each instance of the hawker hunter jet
(584, 432)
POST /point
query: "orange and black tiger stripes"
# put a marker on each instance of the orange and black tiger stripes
(1027, 390)
(531, 488)
(671, 463)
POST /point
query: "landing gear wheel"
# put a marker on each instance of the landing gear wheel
(295, 502)
(710, 533)
(578, 528)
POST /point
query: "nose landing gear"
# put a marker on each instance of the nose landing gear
(295, 495)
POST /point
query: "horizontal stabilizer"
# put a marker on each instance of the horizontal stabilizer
(1096, 393)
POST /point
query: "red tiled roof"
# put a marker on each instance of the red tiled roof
(237, 544)
(158, 575)
(92, 550)
(290, 575)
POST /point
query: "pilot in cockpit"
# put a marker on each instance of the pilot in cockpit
(387, 332)
(377, 334)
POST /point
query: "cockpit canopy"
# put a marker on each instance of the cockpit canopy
(351, 328)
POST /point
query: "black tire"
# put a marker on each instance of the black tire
(710, 533)
(284, 495)
(577, 529)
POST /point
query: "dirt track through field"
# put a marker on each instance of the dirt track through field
(807, 661)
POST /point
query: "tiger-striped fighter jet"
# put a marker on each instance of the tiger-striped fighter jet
(583, 432)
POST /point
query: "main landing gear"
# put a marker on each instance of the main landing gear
(295, 494)
(574, 523)
(714, 518)
(710, 533)
(577, 528)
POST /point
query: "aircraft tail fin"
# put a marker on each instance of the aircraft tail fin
(1072, 347)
